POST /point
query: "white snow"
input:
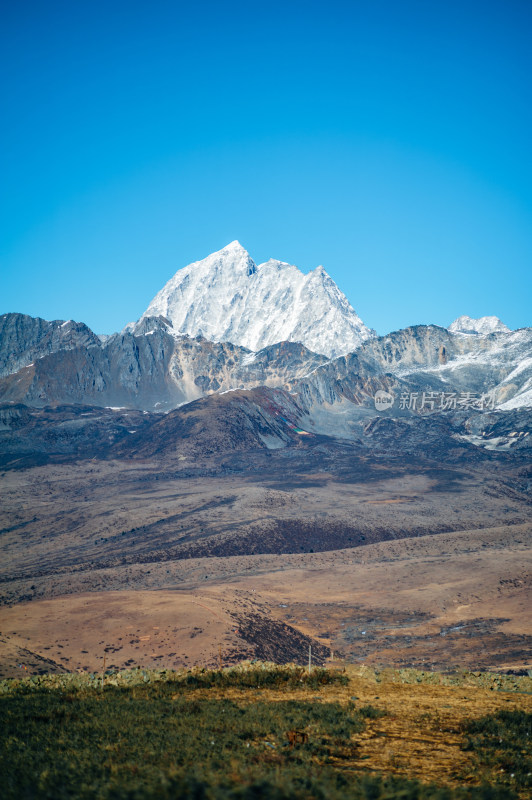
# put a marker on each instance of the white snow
(482, 325)
(523, 399)
(272, 442)
(506, 357)
(227, 297)
(525, 364)
(495, 443)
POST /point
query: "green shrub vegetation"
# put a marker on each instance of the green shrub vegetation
(142, 739)
(370, 712)
(246, 675)
(502, 743)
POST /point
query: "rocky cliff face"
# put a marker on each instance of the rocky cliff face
(24, 339)
(148, 368)
(426, 358)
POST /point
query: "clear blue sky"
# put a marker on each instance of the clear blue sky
(388, 141)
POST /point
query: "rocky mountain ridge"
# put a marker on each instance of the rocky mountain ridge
(148, 367)
(467, 390)
(24, 339)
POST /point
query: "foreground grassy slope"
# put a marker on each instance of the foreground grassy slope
(226, 734)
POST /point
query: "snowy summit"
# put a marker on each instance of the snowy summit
(482, 325)
(227, 297)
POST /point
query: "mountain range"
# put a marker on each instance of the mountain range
(225, 324)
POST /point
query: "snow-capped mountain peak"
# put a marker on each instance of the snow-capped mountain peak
(227, 297)
(482, 325)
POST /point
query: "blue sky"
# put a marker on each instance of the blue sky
(388, 141)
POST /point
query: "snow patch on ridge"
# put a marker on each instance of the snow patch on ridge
(482, 325)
